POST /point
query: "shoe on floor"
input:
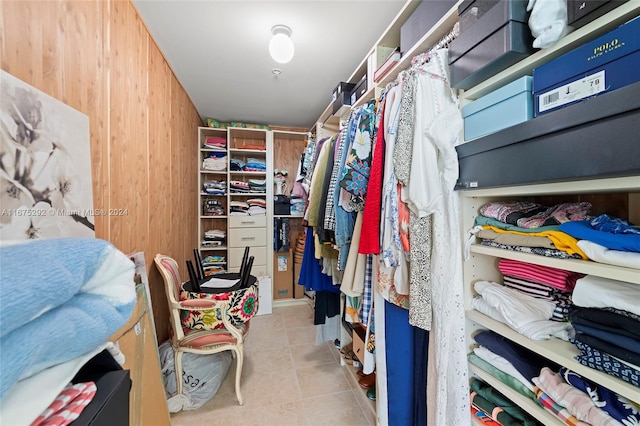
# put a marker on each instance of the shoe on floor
(360, 373)
(346, 348)
(367, 382)
(371, 393)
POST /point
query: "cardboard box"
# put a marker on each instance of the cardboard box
(282, 275)
(358, 337)
(298, 290)
(505, 107)
(600, 66)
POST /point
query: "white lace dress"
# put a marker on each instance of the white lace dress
(435, 165)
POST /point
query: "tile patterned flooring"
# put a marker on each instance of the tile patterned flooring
(286, 380)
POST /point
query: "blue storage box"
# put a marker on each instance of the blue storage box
(509, 105)
(607, 63)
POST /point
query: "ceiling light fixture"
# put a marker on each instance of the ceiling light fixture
(281, 46)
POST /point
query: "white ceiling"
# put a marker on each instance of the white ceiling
(218, 51)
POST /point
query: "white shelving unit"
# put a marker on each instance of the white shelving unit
(483, 261)
(482, 264)
(241, 231)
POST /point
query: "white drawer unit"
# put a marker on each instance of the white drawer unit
(259, 256)
(252, 237)
(247, 221)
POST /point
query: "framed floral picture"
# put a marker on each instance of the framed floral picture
(45, 166)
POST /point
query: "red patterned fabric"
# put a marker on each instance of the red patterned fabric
(68, 405)
(370, 236)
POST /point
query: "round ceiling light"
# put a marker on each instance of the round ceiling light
(281, 46)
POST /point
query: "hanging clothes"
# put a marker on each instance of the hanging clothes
(438, 124)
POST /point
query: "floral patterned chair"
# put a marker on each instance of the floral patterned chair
(206, 323)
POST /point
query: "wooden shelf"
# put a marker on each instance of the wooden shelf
(242, 173)
(581, 266)
(520, 400)
(247, 151)
(219, 248)
(558, 351)
(599, 26)
(213, 172)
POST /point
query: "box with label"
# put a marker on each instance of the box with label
(581, 12)
(573, 143)
(426, 15)
(358, 337)
(502, 108)
(282, 275)
(602, 65)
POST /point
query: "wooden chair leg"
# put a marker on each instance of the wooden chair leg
(177, 360)
(239, 359)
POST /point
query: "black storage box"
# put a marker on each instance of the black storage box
(342, 95)
(581, 12)
(426, 15)
(359, 90)
(498, 39)
(281, 205)
(110, 404)
(469, 11)
(593, 138)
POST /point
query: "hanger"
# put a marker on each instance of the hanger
(425, 57)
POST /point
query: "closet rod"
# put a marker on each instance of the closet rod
(444, 42)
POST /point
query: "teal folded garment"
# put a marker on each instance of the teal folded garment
(488, 221)
(503, 377)
(507, 413)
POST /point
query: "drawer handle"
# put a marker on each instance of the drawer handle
(247, 222)
(247, 238)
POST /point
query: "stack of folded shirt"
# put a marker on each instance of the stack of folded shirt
(569, 402)
(618, 407)
(214, 238)
(607, 240)
(257, 207)
(255, 165)
(530, 227)
(213, 264)
(216, 161)
(215, 142)
(527, 315)
(493, 404)
(607, 320)
(238, 208)
(258, 185)
(238, 186)
(236, 165)
(541, 282)
(213, 207)
(214, 187)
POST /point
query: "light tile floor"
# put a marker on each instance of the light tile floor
(286, 380)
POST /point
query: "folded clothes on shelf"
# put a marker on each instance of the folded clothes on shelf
(215, 142)
(215, 162)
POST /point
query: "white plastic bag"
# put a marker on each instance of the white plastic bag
(202, 376)
(548, 21)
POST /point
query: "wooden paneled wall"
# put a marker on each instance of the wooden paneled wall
(98, 57)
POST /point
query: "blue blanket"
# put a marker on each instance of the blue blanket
(59, 299)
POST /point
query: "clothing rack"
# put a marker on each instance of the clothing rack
(444, 42)
(423, 58)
